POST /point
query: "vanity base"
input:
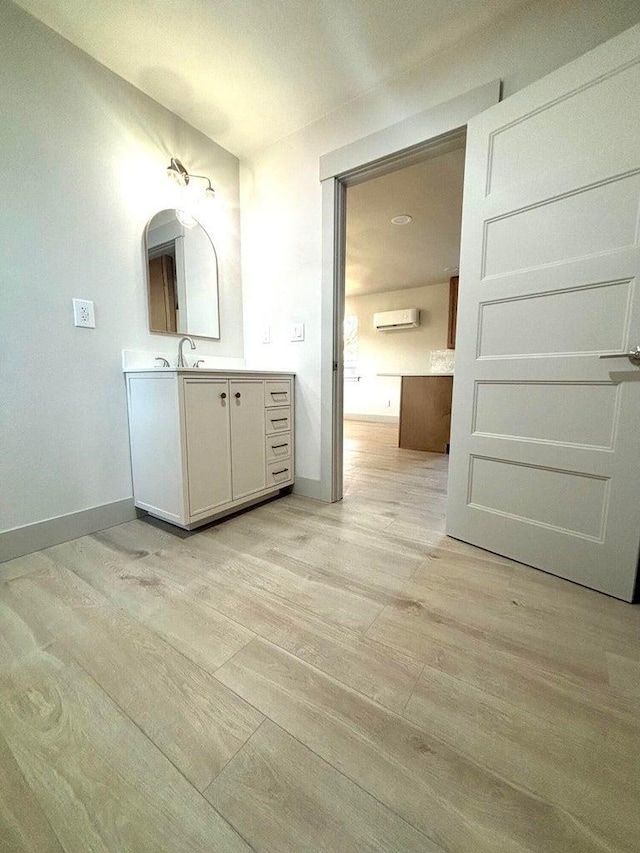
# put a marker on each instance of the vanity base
(216, 516)
(207, 443)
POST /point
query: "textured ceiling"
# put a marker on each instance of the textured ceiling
(381, 256)
(247, 72)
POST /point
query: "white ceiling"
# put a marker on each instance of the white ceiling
(247, 72)
(381, 256)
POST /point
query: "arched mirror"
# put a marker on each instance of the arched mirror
(182, 276)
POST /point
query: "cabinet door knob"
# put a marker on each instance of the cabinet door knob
(223, 395)
(238, 395)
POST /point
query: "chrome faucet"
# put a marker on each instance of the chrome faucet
(181, 361)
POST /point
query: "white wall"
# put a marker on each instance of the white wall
(82, 159)
(403, 351)
(280, 190)
(82, 168)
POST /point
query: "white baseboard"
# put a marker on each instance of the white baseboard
(308, 488)
(43, 534)
(373, 419)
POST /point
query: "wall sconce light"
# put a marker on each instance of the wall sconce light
(177, 172)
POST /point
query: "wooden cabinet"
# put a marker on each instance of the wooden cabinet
(425, 413)
(204, 444)
(453, 311)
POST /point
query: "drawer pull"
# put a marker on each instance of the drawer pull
(275, 393)
(276, 446)
(282, 471)
(275, 420)
(223, 396)
(237, 395)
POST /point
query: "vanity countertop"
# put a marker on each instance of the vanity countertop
(208, 371)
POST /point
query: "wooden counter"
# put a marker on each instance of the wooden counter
(425, 413)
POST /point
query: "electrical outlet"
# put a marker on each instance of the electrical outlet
(266, 334)
(83, 313)
(297, 332)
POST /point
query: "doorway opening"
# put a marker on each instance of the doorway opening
(435, 131)
(402, 250)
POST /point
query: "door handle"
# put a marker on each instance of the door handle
(634, 355)
(237, 395)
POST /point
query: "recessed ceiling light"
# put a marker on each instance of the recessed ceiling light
(402, 219)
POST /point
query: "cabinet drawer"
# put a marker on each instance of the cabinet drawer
(279, 472)
(278, 446)
(277, 420)
(277, 392)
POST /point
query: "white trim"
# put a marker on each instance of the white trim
(379, 153)
(308, 488)
(43, 534)
(410, 133)
(333, 204)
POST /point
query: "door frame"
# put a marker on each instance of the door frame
(427, 134)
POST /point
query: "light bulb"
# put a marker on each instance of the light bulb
(186, 219)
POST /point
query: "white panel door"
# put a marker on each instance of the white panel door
(208, 444)
(546, 433)
(247, 437)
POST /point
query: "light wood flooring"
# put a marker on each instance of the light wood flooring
(313, 677)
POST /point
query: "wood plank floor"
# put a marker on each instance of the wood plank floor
(314, 677)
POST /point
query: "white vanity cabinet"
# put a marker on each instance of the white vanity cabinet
(205, 443)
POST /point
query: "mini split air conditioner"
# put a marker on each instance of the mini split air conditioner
(407, 318)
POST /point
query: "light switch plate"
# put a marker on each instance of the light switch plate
(83, 313)
(297, 332)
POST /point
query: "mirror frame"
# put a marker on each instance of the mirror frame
(145, 254)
